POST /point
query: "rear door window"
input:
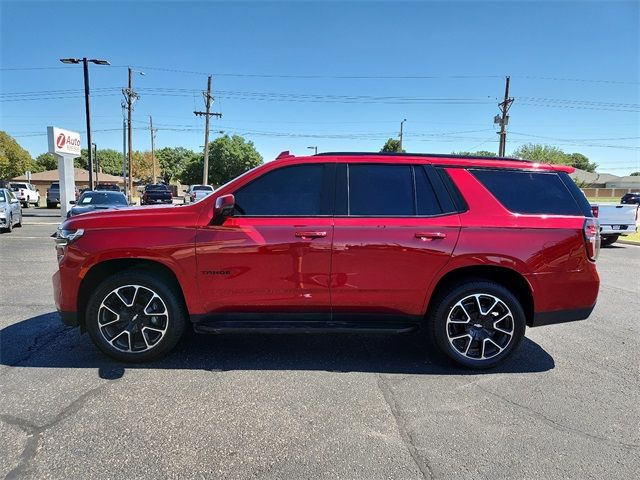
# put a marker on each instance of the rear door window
(381, 190)
(530, 192)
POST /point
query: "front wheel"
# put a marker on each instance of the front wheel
(135, 317)
(478, 324)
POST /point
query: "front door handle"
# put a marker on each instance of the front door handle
(314, 234)
(430, 235)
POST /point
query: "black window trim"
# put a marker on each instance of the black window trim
(331, 186)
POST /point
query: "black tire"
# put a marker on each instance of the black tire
(26, 204)
(99, 311)
(19, 224)
(51, 205)
(609, 240)
(441, 328)
(9, 228)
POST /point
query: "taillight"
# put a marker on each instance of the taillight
(592, 237)
(595, 210)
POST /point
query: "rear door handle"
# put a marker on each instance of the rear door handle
(311, 234)
(430, 235)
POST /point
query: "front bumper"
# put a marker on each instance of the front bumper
(560, 316)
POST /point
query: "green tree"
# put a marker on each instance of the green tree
(14, 160)
(47, 161)
(578, 160)
(110, 161)
(635, 174)
(541, 153)
(228, 158)
(554, 155)
(172, 161)
(392, 145)
(479, 153)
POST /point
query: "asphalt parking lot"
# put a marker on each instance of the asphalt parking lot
(296, 406)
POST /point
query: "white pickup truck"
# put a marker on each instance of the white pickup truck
(197, 192)
(615, 220)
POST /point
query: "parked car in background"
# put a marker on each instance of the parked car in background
(97, 200)
(631, 198)
(53, 194)
(26, 193)
(615, 220)
(197, 192)
(474, 250)
(156, 193)
(112, 187)
(10, 210)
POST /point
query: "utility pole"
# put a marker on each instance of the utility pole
(124, 150)
(130, 97)
(153, 156)
(207, 114)
(315, 149)
(503, 119)
(401, 133)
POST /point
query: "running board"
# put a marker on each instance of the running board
(390, 324)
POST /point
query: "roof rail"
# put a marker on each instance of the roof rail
(396, 154)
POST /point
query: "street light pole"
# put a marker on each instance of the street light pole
(401, 133)
(95, 154)
(315, 149)
(85, 65)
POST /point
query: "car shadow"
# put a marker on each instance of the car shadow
(43, 342)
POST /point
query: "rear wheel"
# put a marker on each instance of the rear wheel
(478, 324)
(135, 317)
(609, 240)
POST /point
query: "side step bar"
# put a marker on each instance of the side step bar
(300, 327)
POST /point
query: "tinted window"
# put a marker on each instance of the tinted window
(529, 192)
(203, 187)
(381, 190)
(102, 198)
(2, 197)
(156, 187)
(426, 199)
(300, 190)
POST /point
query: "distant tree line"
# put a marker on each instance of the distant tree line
(229, 156)
(535, 152)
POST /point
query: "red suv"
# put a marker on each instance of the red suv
(472, 249)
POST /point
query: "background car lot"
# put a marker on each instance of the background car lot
(361, 406)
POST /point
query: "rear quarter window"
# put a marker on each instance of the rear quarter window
(530, 192)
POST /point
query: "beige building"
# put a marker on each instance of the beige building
(42, 180)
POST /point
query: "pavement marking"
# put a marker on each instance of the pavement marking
(20, 238)
(42, 223)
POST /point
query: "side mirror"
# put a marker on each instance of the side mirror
(72, 202)
(224, 206)
(15, 200)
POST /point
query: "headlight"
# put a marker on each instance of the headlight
(64, 237)
(3, 214)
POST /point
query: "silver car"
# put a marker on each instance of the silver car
(10, 211)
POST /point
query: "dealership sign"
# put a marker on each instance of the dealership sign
(63, 142)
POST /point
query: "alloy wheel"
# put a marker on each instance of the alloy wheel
(133, 318)
(480, 326)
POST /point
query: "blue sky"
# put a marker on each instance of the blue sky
(284, 73)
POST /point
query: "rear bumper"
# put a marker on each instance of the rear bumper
(560, 316)
(617, 229)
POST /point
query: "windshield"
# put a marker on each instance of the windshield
(203, 187)
(156, 187)
(17, 186)
(102, 198)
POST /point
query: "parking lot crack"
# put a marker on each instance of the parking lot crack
(560, 426)
(419, 460)
(34, 432)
